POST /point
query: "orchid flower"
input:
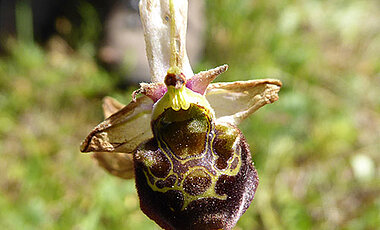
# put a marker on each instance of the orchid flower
(179, 139)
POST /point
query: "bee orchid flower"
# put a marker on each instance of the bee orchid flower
(178, 137)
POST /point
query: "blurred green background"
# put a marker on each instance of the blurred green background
(317, 149)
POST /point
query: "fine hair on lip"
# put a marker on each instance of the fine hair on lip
(176, 80)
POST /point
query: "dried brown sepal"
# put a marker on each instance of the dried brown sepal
(123, 131)
(111, 106)
(118, 164)
(235, 101)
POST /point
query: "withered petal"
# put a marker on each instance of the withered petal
(235, 101)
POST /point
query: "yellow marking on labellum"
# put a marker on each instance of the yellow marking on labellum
(210, 191)
(229, 171)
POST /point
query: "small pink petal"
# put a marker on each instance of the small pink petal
(152, 90)
(199, 82)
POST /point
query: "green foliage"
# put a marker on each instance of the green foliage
(316, 149)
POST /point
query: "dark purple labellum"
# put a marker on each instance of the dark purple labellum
(194, 174)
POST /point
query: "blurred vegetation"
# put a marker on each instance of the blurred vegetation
(317, 149)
